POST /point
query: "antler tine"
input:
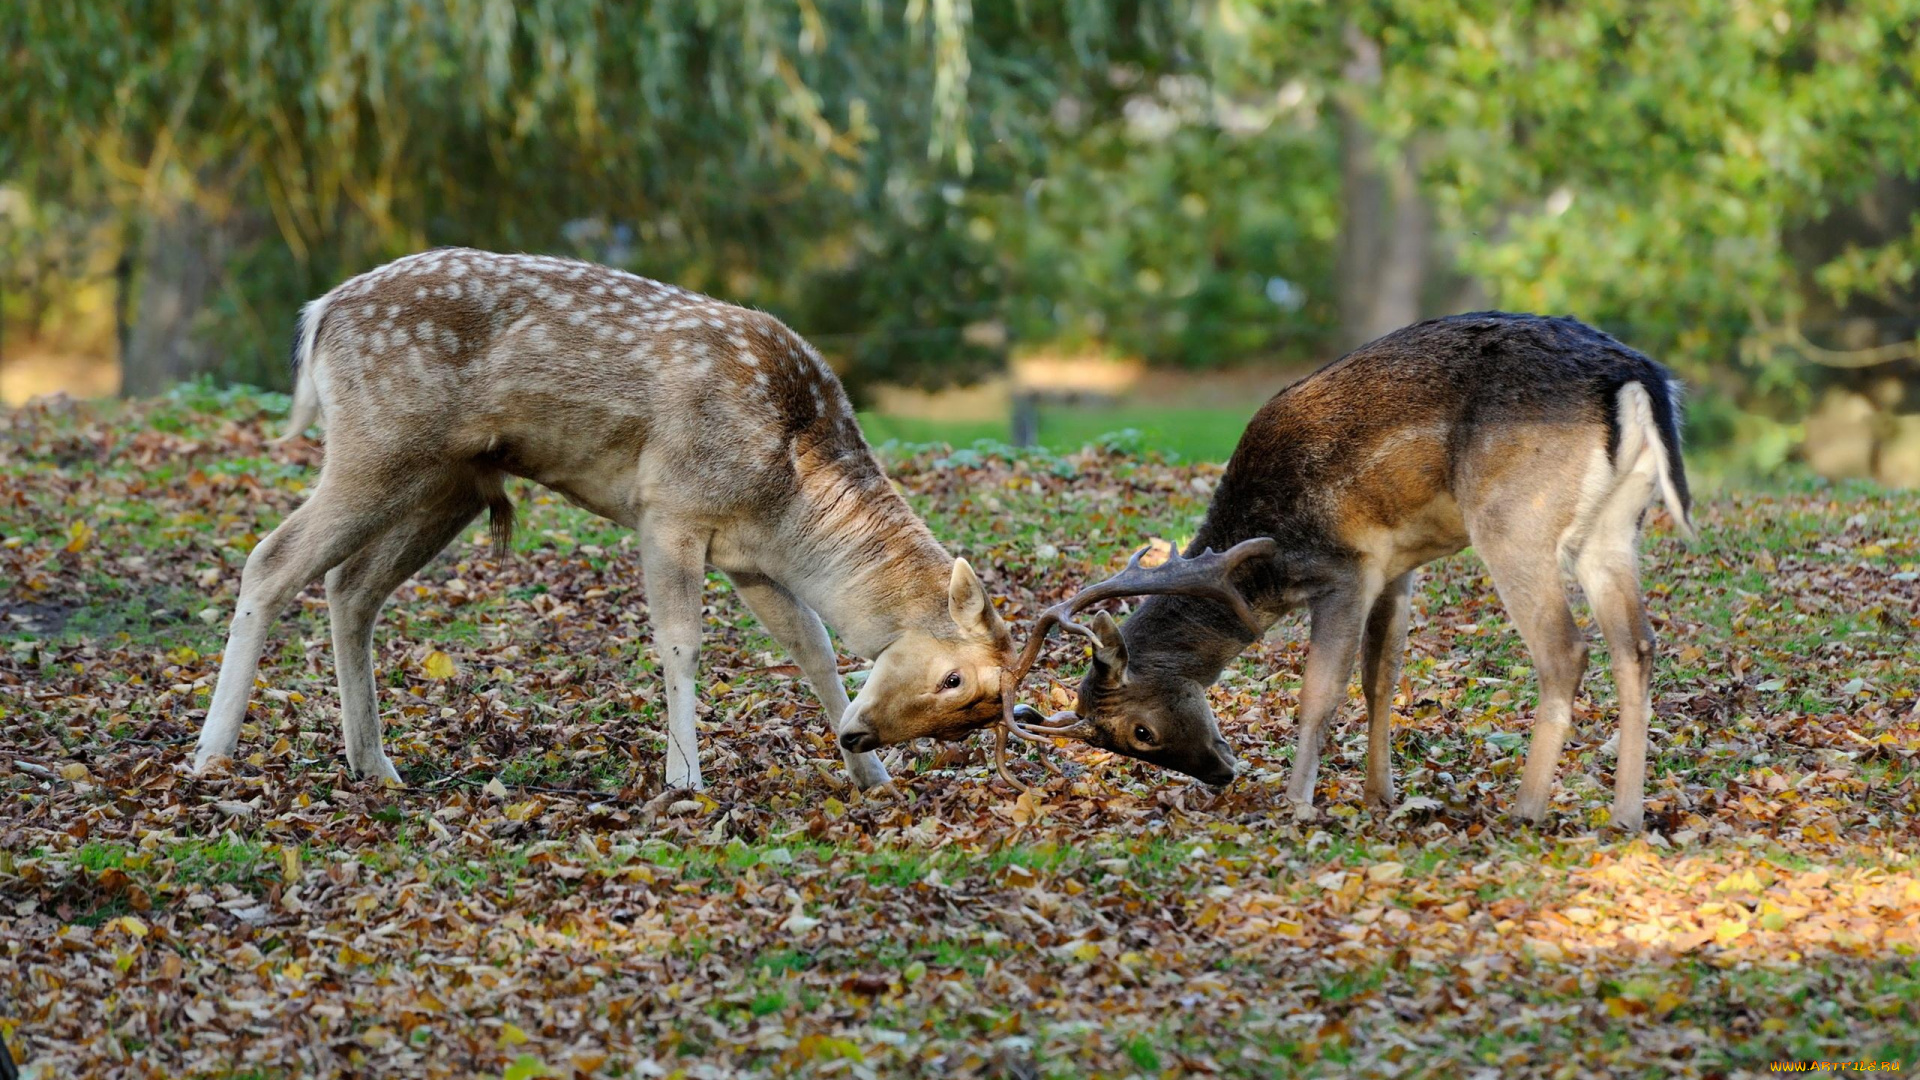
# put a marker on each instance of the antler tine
(1204, 574)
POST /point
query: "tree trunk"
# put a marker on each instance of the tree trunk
(1386, 238)
(175, 278)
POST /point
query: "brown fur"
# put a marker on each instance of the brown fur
(715, 431)
(1538, 441)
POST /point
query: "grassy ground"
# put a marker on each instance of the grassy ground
(1179, 434)
(515, 911)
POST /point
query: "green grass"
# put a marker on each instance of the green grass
(1182, 434)
(1112, 928)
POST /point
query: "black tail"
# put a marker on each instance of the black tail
(493, 488)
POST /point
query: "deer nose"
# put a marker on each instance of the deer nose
(858, 738)
(1225, 766)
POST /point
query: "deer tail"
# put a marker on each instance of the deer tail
(306, 395)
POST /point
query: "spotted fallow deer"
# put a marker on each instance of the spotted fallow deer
(715, 432)
(1539, 441)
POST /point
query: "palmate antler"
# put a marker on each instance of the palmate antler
(1207, 574)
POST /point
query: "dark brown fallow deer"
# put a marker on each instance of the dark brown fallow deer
(1539, 441)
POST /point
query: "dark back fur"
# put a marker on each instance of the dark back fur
(1371, 438)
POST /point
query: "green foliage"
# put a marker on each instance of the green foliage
(926, 186)
(1643, 167)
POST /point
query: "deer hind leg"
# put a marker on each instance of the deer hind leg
(345, 512)
(1380, 659)
(675, 561)
(1607, 565)
(1337, 623)
(798, 630)
(1529, 582)
(356, 590)
(1612, 585)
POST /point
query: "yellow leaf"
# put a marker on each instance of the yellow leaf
(722, 688)
(75, 772)
(1086, 952)
(1385, 873)
(1729, 930)
(79, 535)
(133, 927)
(511, 1035)
(437, 665)
(295, 971)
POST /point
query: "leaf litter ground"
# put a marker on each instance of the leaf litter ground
(525, 907)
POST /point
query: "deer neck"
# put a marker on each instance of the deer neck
(1181, 635)
(1195, 637)
(862, 559)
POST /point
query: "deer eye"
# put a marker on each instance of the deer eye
(951, 682)
(1143, 733)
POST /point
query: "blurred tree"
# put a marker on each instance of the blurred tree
(1719, 183)
(926, 185)
(291, 145)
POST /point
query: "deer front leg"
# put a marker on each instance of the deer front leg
(675, 565)
(795, 626)
(1380, 659)
(1337, 622)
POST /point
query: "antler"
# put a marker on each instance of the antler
(1206, 574)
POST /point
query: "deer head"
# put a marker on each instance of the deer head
(1157, 716)
(938, 679)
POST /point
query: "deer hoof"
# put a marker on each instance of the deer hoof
(380, 769)
(1304, 812)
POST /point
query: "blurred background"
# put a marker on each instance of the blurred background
(1016, 220)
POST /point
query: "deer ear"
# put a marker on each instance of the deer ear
(968, 605)
(1110, 655)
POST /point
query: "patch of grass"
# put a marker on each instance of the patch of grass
(1185, 434)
